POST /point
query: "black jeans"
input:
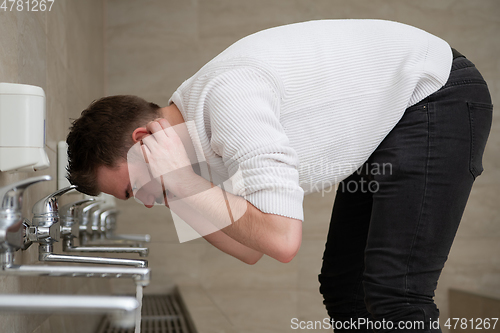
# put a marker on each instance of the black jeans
(394, 220)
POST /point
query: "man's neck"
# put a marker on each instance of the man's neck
(172, 114)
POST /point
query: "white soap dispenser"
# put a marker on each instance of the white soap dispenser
(22, 128)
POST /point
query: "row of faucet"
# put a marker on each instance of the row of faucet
(90, 222)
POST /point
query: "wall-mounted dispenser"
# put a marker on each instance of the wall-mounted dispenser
(22, 128)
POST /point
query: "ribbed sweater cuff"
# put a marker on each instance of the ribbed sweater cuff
(280, 202)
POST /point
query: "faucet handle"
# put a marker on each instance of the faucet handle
(85, 212)
(109, 223)
(49, 203)
(11, 196)
(70, 210)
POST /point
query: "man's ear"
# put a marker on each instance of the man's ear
(139, 133)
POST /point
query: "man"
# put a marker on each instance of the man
(298, 108)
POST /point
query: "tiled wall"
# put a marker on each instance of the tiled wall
(470, 312)
(152, 46)
(62, 52)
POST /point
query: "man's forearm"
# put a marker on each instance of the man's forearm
(276, 236)
(228, 245)
(213, 234)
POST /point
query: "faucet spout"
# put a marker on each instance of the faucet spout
(46, 254)
(53, 257)
(69, 247)
(113, 242)
(142, 251)
(141, 276)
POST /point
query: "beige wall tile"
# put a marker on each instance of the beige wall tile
(56, 89)
(206, 316)
(309, 264)
(317, 214)
(76, 103)
(151, 18)
(481, 218)
(155, 76)
(82, 50)
(176, 262)
(58, 324)
(148, 52)
(31, 50)
(45, 327)
(257, 309)
(56, 32)
(310, 307)
(472, 266)
(219, 271)
(8, 48)
(237, 19)
(480, 308)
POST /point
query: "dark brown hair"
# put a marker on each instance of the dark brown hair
(102, 135)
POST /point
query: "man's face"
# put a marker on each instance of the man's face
(116, 182)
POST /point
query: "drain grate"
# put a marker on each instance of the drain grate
(160, 314)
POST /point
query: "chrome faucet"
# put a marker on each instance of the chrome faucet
(45, 230)
(69, 218)
(83, 221)
(108, 223)
(46, 254)
(11, 240)
(95, 226)
(121, 308)
(44, 227)
(11, 221)
(140, 275)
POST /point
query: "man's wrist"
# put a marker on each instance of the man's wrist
(185, 184)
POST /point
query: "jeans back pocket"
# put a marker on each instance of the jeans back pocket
(480, 115)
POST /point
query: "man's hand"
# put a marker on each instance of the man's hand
(165, 153)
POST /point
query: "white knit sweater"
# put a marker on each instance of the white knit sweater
(300, 107)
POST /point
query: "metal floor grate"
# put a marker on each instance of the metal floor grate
(160, 314)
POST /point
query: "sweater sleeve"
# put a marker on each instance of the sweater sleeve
(244, 109)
